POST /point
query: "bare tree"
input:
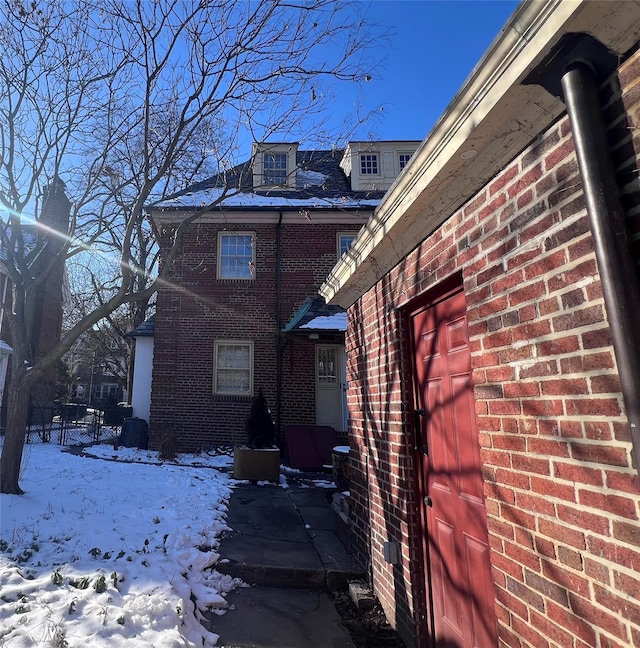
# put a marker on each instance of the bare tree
(126, 102)
(102, 354)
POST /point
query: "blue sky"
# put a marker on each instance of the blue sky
(433, 47)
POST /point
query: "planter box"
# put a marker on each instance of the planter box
(262, 464)
(340, 466)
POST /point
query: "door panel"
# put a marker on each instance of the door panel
(451, 612)
(477, 553)
(453, 513)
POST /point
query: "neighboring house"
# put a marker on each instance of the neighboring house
(492, 350)
(106, 390)
(245, 269)
(46, 234)
(98, 363)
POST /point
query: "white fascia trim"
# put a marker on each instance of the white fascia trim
(289, 216)
(532, 29)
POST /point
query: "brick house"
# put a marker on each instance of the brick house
(494, 407)
(245, 271)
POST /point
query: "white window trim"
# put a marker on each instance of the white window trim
(224, 342)
(339, 236)
(221, 235)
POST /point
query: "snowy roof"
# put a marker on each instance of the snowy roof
(337, 322)
(315, 315)
(320, 184)
(255, 200)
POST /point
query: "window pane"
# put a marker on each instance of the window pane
(327, 365)
(404, 159)
(233, 369)
(274, 168)
(369, 164)
(345, 242)
(236, 256)
(234, 356)
(232, 381)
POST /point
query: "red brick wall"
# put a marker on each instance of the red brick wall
(561, 493)
(195, 309)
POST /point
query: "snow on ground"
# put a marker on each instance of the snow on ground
(111, 553)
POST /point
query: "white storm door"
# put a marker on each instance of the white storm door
(330, 386)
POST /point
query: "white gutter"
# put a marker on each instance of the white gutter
(494, 115)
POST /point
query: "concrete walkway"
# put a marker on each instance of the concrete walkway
(284, 543)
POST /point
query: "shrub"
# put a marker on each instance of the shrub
(260, 428)
(168, 445)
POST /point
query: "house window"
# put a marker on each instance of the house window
(107, 390)
(274, 168)
(236, 255)
(369, 164)
(344, 242)
(404, 158)
(233, 368)
(327, 365)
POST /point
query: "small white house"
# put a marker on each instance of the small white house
(5, 354)
(142, 369)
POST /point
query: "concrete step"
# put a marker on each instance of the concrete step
(285, 538)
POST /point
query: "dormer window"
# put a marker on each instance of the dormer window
(369, 164)
(274, 168)
(274, 165)
(374, 166)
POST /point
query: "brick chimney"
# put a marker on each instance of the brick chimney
(52, 228)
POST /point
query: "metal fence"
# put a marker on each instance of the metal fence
(70, 425)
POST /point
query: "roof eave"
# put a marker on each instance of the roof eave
(335, 331)
(336, 214)
(188, 209)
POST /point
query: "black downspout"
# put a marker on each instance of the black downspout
(278, 331)
(615, 263)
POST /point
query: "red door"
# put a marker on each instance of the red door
(453, 514)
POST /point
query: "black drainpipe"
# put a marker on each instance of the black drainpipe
(586, 61)
(278, 331)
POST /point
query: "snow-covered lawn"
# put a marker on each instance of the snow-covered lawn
(108, 553)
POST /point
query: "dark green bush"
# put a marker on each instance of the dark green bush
(260, 428)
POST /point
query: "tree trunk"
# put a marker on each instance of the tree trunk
(17, 415)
